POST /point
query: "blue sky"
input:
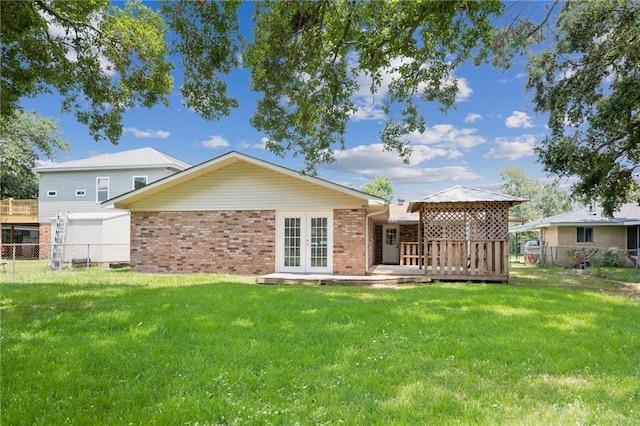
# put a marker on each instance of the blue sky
(492, 125)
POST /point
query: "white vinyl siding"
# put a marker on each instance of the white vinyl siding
(244, 186)
(51, 193)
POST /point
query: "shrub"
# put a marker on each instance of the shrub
(608, 258)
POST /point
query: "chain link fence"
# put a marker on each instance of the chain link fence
(37, 257)
(584, 256)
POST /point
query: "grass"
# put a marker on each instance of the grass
(115, 347)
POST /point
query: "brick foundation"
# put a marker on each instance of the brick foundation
(235, 242)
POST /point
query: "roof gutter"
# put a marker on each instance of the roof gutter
(368, 232)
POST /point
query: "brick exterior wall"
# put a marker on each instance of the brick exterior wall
(235, 242)
(44, 237)
(409, 233)
(377, 257)
(349, 242)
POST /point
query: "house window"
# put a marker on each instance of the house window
(52, 193)
(102, 189)
(80, 192)
(139, 181)
(585, 234)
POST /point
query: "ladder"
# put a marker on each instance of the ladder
(57, 243)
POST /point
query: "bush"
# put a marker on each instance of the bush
(608, 258)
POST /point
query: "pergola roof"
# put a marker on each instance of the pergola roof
(464, 194)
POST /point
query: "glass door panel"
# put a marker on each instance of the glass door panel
(305, 242)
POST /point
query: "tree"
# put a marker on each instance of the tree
(307, 60)
(380, 187)
(588, 80)
(102, 59)
(544, 199)
(23, 140)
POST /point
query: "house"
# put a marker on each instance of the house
(587, 228)
(238, 214)
(79, 188)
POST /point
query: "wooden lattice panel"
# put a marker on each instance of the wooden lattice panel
(466, 221)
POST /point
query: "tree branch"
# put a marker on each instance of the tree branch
(72, 22)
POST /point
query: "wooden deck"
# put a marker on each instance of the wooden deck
(329, 279)
(18, 211)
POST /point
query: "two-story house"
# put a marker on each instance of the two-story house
(78, 189)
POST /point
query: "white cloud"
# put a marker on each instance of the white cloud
(262, 144)
(367, 110)
(464, 90)
(518, 119)
(472, 117)
(447, 135)
(440, 174)
(215, 141)
(365, 157)
(518, 76)
(369, 104)
(512, 149)
(371, 161)
(57, 31)
(142, 134)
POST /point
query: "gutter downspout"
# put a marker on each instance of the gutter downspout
(366, 250)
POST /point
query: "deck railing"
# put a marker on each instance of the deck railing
(409, 254)
(11, 207)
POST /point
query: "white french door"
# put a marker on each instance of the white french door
(305, 242)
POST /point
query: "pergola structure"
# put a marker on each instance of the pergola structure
(464, 234)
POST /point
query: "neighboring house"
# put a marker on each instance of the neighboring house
(241, 215)
(588, 229)
(80, 188)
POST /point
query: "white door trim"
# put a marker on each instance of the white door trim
(307, 243)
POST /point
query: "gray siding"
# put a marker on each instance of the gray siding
(66, 183)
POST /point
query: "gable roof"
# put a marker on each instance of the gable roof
(122, 201)
(132, 159)
(628, 214)
(464, 194)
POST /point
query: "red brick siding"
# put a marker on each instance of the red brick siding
(349, 242)
(409, 233)
(45, 240)
(235, 242)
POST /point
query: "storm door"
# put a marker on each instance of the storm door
(305, 242)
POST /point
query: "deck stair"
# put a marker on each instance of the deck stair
(57, 245)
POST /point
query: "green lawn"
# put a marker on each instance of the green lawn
(114, 347)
